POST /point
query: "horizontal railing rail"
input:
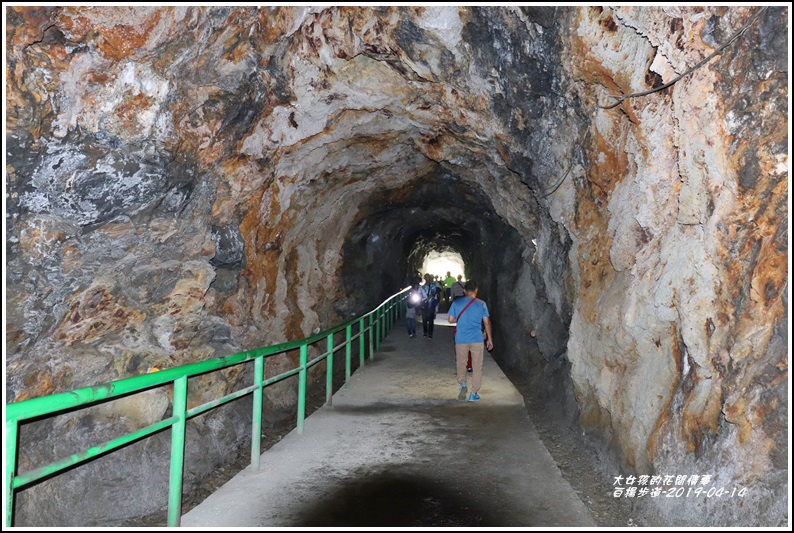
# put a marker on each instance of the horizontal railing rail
(377, 323)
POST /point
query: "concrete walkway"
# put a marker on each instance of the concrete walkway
(397, 448)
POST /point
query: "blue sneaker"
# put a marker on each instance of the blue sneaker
(462, 391)
(474, 397)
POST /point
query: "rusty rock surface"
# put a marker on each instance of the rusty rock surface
(678, 340)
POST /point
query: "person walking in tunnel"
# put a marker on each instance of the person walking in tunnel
(412, 304)
(457, 290)
(448, 282)
(430, 297)
(470, 315)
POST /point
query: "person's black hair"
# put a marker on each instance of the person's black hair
(470, 286)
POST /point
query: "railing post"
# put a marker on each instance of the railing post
(11, 466)
(256, 426)
(302, 388)
(177, 452)
(329, 371)
(361, 338)
(348, 352)
(371, 331)
(378, 326)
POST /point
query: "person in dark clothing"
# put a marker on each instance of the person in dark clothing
(414, 298)
(430, 298)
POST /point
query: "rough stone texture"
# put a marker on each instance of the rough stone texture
(676, 342)
(185, 183)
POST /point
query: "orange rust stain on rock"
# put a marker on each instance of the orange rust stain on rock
(37, 47)
(129, 109)
(37, 384)
(75, 23)
(122, 40)
(760, 411)
(238, 53)
(701, 421)
(273, 24)
(769, 277)
(754, 256)
(735, 414)
(591, 70)
(36, 20)
(95, 313)
(608, 23)
(608, 164)
(376, 144)
(595, 268)
(40, 241)
(295, 317)
(262, 235)
(98, 77)
(433, 146)
(232, 310)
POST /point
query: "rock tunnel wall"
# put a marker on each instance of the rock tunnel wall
(186, 183)
(678, 342)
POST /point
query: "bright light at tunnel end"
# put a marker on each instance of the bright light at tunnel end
(439, 263)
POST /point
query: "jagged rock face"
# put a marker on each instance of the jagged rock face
(678, 343)
(186, 183)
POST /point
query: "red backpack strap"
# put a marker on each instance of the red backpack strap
(467, 306)
(455, 332)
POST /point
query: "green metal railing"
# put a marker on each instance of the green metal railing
(377, 322)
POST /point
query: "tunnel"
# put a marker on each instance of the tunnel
(186, 183)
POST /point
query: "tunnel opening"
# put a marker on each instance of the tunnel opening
(443, 263)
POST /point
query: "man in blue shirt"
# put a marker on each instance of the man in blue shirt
(470, 315)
